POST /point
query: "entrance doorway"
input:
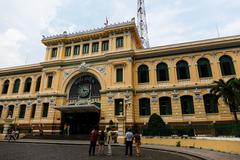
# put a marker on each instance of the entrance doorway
(81, 123)
(82, 110)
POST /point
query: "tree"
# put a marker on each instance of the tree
(155, 121)
(230, 92)
(156, 126)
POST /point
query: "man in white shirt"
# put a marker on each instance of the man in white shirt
(129, 142)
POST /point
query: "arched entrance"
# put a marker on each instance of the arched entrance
(82, 111)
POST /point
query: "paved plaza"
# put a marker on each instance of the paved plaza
(32, 151)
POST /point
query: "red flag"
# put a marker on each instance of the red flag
(106, 23)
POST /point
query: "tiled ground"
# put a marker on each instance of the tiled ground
(31, 151)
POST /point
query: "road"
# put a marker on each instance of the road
(31, 151)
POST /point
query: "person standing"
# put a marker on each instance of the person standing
(109, 141)
(137, 138)
(41, 129)
(129, 142)
(65, 129)
(101, 140)
(68, 130)
(93, 141)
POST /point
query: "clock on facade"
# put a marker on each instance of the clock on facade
(84, 90)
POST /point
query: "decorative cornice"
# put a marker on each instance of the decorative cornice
(67, 35)
(173, 88)
(189, 47)
(25, 69)
(94, 33)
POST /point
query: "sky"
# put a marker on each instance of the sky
(23, 22)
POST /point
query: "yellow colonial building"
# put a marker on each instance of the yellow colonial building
(93, 77)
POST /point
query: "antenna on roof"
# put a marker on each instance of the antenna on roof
(142, 23)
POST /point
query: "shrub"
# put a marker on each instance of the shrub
(156, 126)
(178, 144)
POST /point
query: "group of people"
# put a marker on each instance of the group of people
(101, 138)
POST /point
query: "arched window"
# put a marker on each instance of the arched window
(10, 111)
(38, 84)
(5, 87)
(182, 70)
(144, 106)
(210, 103)
(1, 110)
(16, 86)
(162, 72)
(204, 68)
(119, 107)
(22, 111)
(165, 106)
(28, 84)
(226, 64)
(33, 111)
(143, 74)
(187, 105)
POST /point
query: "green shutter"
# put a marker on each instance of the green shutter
(119, 73)
(45, 109)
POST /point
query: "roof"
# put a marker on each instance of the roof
(190, 47)
(93, 33)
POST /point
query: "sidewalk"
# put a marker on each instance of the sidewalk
(205, 154)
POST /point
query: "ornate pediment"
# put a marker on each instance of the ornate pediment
(83, 67)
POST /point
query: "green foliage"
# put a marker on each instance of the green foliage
(157, 127)
(230, 92)
(155, 121)
(178, 144)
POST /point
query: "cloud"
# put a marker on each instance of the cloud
(9, 47)
(23, 22)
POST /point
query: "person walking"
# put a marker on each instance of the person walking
(137, 138)
(129, 142)
(17, 131)
(93, 141)
(12, 135)
(109, 141)
(101, 140)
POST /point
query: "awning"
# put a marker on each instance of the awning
(78, 108)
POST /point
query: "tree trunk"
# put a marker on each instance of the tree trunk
(235, 116)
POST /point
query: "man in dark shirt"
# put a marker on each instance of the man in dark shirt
(93, 141)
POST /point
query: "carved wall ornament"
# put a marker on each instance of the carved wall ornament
(154, 97)
(130, 59)
(175, 94)
(67, 73)
(110, 97)
(197, 93)
(83, 67)
(102, 69)
(29, 102)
